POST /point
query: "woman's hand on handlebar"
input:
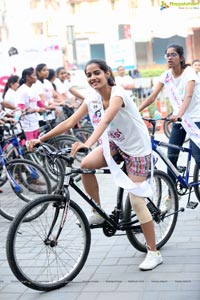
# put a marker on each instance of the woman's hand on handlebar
(32, 143)
(174, 118)
(76, 147)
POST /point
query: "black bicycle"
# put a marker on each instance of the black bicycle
(49, 251)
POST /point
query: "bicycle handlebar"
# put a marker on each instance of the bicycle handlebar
(45, 150)
(154, 120)
(151, 120)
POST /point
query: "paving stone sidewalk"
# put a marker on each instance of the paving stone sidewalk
(111, 271)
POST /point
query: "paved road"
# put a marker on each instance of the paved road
(111, 271)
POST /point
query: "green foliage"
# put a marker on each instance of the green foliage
(152, 72)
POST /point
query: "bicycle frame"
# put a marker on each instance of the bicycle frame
(13, 182)
(155, 147)
(156, 144)
(90, 201)
(114, 222)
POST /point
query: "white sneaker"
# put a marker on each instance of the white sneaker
(167, 206)
(152, 260)
(95, 219)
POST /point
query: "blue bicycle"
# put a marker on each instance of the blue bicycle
(182, 173)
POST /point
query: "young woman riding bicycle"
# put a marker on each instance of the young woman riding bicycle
(183, 88)
(110, 108)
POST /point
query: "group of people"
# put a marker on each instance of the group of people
(37, 91)
(118, 126)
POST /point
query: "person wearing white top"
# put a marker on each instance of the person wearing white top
(186, 85)
(126, 81)
(111, 108)
(65, 88)
(9, 93)
(28, 100)
(48, 95)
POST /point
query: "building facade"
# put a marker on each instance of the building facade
(128, 32)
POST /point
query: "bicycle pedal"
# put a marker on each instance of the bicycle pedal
(192, 205)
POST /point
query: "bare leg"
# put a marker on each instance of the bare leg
(149, 233)
(94, 160)
(91, 186)
(148, 227)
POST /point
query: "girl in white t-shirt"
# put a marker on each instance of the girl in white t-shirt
(111, 108)
(9, 93)
(28, 100)
(187, 87)
(65, 88)
(51, 99)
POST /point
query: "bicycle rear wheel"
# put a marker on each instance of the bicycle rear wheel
(26, 182)
(35, 257)
(165, 224)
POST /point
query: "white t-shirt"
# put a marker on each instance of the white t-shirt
(180, 83)
(127, 130)
(28, 97)
(46, 89)
(124, 80)
(10, 97)
(63, 87)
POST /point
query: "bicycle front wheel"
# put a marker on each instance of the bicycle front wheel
(196, 178)
(164, 224)
(39, 256)
(26, 181)
(167, 127)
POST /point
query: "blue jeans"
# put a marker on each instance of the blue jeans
(177, 137)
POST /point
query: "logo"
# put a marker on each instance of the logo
(180, 5)
(163, 5)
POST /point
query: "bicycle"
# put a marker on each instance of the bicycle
(51, 250)
(24, 178)
(12, 148)
(182, 173)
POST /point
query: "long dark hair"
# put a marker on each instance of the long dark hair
(51, 75)
(180, 51)
(104, 67)
(26, 72)
(11, 80)
(38, 69)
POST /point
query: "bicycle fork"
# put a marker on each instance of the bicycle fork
(52, 242)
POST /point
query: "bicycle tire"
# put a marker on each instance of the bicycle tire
(164, 228)
(196, 178)
(66, 141)
(19, 189)
(36, 261)
(167, 126)
(53, 168)
(3, 177)
(82, 134)
(62, 141)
